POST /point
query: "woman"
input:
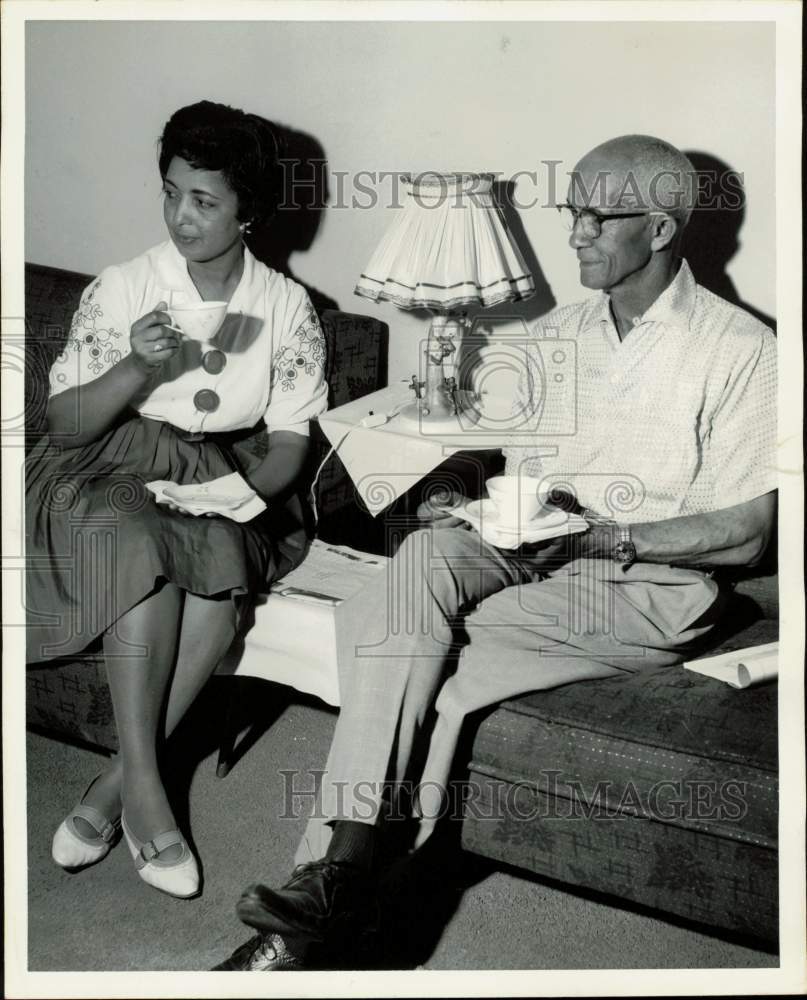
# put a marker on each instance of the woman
(132, 401)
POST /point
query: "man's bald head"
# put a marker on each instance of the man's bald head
(636, 173)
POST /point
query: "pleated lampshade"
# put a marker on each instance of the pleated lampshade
(447, 247)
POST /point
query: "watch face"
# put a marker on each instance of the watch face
(625, 552)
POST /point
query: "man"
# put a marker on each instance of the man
(673, 464)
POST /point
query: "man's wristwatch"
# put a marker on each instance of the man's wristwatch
(624, 551)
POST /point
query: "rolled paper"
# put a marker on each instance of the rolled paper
(740, 668)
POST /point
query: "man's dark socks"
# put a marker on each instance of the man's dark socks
(353, 843)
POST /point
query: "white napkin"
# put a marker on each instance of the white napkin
(229, 496)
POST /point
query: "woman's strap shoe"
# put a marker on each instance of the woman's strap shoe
(72, 849)
(177, 878)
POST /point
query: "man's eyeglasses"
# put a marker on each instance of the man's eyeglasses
(591, 219)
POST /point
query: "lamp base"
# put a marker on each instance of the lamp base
(441, 422)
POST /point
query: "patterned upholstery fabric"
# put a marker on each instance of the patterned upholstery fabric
(70, 698)
(660, 788)
(51, 297)
(728, 884)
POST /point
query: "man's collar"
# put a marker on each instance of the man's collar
(674, 306)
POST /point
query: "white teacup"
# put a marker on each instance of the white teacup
(517, 498)
(200, 321)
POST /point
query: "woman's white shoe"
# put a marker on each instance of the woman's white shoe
(177, 878)
(72, 849)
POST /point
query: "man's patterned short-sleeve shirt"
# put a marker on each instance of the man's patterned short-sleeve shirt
(678, 418)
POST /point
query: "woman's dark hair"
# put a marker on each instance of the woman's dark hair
(244, 147)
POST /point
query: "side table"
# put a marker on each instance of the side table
(386, 461)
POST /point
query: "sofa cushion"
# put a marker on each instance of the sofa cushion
(659, 787)
(723, 883)
(619, 739)
(763, 591)
(70, 698)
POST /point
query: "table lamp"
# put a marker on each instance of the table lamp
(447, 248)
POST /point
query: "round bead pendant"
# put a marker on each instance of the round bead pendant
(214, 361)
(206, 400)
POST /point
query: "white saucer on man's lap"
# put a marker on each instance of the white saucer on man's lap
(487, 510)
(483, 515)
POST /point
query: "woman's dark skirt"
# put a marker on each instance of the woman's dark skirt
(97, 543)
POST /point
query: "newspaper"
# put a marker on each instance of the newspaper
(741, 668)
(330, 574)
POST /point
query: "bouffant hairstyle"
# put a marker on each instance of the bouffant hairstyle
(244, 147)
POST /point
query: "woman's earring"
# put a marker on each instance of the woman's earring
(246, 227)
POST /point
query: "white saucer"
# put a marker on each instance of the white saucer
(486, 510)
(482, 515)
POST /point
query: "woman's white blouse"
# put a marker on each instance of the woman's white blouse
(271, 338)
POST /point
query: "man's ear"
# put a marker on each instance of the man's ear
(664, 229)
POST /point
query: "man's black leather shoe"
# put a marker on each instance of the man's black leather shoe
(262, 953)
(320, 900)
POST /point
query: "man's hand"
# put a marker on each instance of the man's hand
(436, 511)
(548, 555)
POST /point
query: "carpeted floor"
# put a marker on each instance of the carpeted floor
(470, 917)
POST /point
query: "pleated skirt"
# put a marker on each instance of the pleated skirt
(97, 543)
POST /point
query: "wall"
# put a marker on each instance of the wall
(391, 96)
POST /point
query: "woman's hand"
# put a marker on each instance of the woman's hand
(152, 339)
(185, 513)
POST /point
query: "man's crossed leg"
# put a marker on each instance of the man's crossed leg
(546, 619)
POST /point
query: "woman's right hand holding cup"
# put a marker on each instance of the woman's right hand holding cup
(153, 340)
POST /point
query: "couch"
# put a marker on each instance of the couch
(658, 789)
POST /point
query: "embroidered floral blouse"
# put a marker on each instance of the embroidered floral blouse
(271, 339)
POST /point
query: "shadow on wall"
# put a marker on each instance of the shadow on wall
(543, 300)
(488, 324)
(303, 200)
(712, 237)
